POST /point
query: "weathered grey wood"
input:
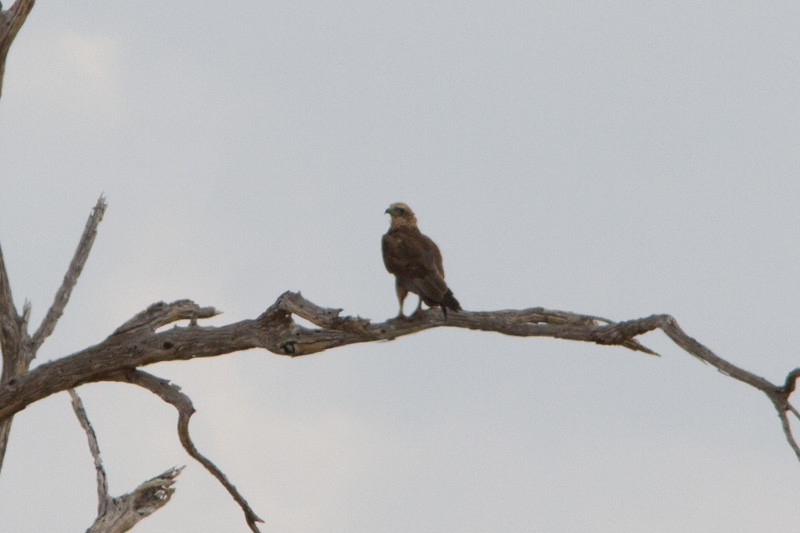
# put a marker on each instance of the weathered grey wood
(126, 511)
(71, 277)
(11, 20)
(137, 343)
(13, 343)
(102, 481)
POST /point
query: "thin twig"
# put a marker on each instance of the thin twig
(71, 277)
(787, 430)
(6, 301)
(102, 481)
(172, 394)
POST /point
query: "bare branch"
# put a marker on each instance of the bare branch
(160, 314)
(172, 394)
(11, 21)
(115, 515)
(103, 498)
(139, 343)
(670, 326)
(7, 308)
(791, 381)
(71, 277)
(14, 342)
(19, 348)
(126, 511)
(787, 430)
(12, 337)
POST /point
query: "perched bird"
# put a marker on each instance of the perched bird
(416, 263)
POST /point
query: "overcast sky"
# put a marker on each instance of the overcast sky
(616, 159)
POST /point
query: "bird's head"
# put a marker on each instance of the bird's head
(402, 215)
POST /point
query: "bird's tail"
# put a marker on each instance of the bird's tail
(449, 302)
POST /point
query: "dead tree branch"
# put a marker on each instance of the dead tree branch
(14, 341)
(18, 348)
(11, 20)
(142, 341)
(71, 277)
(172, 394)
(138, 343)
(116, 515)
(126, 511)
(102, 481)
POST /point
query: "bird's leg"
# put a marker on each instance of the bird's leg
(402, 292)
(418, 312)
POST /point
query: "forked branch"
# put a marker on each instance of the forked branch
(18, 347)
(117, 515)
(128, 510)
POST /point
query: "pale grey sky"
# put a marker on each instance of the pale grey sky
(617, 159)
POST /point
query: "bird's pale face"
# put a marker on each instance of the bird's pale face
(400, 210)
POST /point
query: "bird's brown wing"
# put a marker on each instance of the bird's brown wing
(415, 260)
(432, 255)
(397, 256)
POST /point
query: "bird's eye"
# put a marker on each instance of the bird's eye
(401, 211)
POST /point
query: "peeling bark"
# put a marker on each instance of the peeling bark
(126, 511)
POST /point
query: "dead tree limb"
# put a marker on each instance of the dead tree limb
(116, 515)
(126, 511)
(14, 342)
(14, 339)
(138, 342)
(11, 20)
(102, 481)
(172, 394)
(71, 277)
(18, 347)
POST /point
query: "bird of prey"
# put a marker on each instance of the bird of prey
(416, 263)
